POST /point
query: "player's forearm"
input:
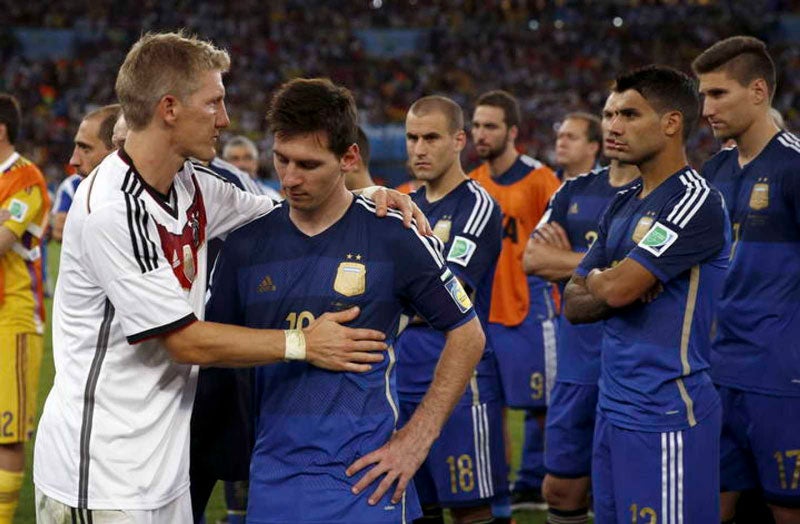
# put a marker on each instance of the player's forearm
(462, 352)
(581, 306)
(214, 344)
(549, 262)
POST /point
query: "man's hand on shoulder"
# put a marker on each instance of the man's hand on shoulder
(389, 198)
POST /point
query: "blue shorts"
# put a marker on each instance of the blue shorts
(761, 445)
(466, 465)
(670, 477)
(570, 429)
(526, 360)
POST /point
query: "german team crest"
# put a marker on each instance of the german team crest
(759, 196)
(442, 230)
(642, 227)
(351, 279)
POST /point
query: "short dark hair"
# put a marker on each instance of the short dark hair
(744, 58)
(10, 116)
(666, 89)
(446, 106)
(310, 105)
(108, 115)
(363, 146)
(594, 128)
(505, 101)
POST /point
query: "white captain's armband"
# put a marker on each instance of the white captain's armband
(295, 345)
(658, 239)
(461, 251)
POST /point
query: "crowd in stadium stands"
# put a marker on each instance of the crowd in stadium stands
(555, 56)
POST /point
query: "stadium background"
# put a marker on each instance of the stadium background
(60, 60)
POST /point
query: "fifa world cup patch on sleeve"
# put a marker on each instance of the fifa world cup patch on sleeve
(458, 294)
(18, 210)
(658, 239)
(461, 251)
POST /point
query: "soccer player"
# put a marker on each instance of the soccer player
(24, 206)
(114, 435)
(92, 144)
(358, 176)
(567, 230)
(466, 466)
(654, 273)
(755, 361)
(577, 144)
(317, 432)
(240, 156)
(522, 315)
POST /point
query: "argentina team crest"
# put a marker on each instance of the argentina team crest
(759, 196)
(642, 227)
(442, 229)
(351, 277)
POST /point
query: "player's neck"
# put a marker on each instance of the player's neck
(314, 221)
(755, 138)
(661, 166)
(6, 150)
(154, 159)
(361, 180)
(441, 187)
(503, 163)
(621, 174)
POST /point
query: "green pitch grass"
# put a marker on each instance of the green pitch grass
(216, 507)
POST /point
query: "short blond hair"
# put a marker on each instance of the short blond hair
(160, 64)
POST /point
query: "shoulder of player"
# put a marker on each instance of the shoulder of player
(392, 230)
(693, 194)
(789, 149)
(255, 229)
(713, 164)
(538, 169)
(206, 173)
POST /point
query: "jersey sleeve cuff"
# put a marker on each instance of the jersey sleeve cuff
(460, 322)
(162, 330)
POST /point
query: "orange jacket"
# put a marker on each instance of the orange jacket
(523, 203)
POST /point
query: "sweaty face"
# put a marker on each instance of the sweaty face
(243, 158)
(632, 128)
(432, 147)
(89, 149)
(572, 143)
(309, 172)
(726, 104)
(201, 116)
(489, 132)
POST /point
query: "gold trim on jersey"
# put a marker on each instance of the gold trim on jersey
(686, 333)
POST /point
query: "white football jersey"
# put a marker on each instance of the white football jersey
(114, 433)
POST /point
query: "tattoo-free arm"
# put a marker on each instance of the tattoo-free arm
(549, 262)
(622, 284)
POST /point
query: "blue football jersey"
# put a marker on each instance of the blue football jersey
(65, 193)
(655, 356)
(758, 320)
(311, 424)
(469, 223)
(577, 207)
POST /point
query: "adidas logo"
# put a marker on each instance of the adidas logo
(266, 285)
(573, 208)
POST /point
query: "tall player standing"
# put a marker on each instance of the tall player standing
(113, 439)
(466, 466)
(24, 205)
(654, 273)
(522, 321)
(755, 359)
(554, 251)
(322, 438)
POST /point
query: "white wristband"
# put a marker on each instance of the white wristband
(295, 344)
